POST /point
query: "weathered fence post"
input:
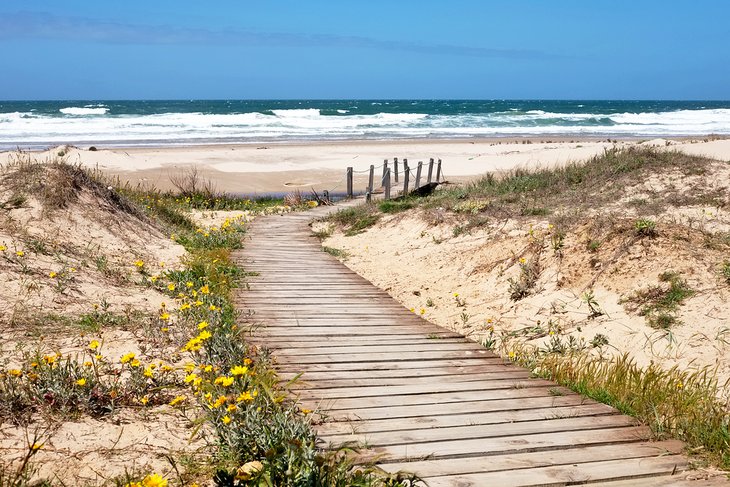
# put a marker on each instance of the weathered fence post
(438, 172)
(385, 168)
(387, 184)
(369, 194)
(395, 167)
(418, 176)
(406, 177)
(349, 182)
(430, 170)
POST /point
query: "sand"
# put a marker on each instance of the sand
(283, 168)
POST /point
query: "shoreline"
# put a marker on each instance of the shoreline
(285, 166)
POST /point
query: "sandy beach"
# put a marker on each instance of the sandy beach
(284, 167)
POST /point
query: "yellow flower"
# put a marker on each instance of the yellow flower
(184, 306)
(680, 385)
(238, 370)
(135, 363)
(226, 419)
(205, 289)
(512, 355)
(88, 364)
(148, 372)
(198, 303)
(423, 311)
(36, 446)
(189, 367)
(165, 316)
(212, 307)
(15, 372)
(3, 248)
(139, 263)
(177, 400)
(223, 380)
(93, 344)
(219, 402)
(522, 260)
(81, 382)
(204, 335)
(154, 480)
(50, 359)
(203, 325)
(231, 407)
(189, 284)
(20, 253)
(162, 264)
(171, 287)
(244, 396)
(208, 368)
(190, 378)
(144, 400)
(306, 411)
(127, 357)
(52, 274)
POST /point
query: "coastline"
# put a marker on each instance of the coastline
(261, 168)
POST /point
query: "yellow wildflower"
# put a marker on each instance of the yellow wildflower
(231, 407)
(144, 400)
(190, 378)
(3, 248)
(244, 396)
(88, 363)
(93, 344)
(219, 402)
(184, 306)
(15, 372)
(226, 419)
(224, 380)
(203, 325)
(81, 382)
(127, 357)
(238, 370)
(52, 274)
(165, 316)
(171, 287)
(177, 400)
(189, 367)
(189, 284)
(213, 307)
(36, 446)
(20, 253)
(139, 263)
(208, 368)
(135, 363)
(205, 289)
(148, 372)
(154, 480)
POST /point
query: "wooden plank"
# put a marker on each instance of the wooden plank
(441, 398)
(464, 407)
(571, 474)
(405, 437)
(333, 358)
(430, 388)
(378, 366)
(520, 461)
(448, 420)
(378, 348)
(507, 444)
(446, 373)
(308, 383)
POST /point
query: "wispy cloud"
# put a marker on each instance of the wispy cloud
(36, 25)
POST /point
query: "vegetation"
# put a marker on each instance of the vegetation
(212, 377)
(660, 303)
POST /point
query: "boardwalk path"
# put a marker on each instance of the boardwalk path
(424, 398)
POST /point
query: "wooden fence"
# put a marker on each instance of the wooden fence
(390, 179)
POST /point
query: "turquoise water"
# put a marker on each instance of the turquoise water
(35, 124)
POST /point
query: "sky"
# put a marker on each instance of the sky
(365, 49)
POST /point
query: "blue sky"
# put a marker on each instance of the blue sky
(152, 49)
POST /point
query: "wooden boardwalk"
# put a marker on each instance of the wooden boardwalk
(422, 398)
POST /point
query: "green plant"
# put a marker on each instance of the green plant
(339, 253)
(725, 271)
(524, 284)
(645, 227)
(593, 307)
(659, 304)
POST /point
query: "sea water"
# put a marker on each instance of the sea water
(104, 123)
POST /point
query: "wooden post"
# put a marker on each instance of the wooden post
(369, 194)
(438, 172)
(349, 182)
(395, 166)
(406, 177)
(430, 170)
(387, 184)
(418, 175)
(385, 168)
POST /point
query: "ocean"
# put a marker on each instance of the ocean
(106, 123)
